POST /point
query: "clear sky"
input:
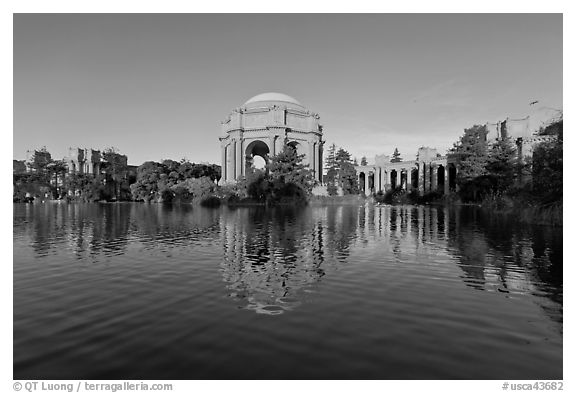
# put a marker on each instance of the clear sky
(157, 86)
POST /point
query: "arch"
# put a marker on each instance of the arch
(414, 178)
(256, 148)
(362, 181)
(395, 178)
(441, 178)
(452, 177)
(371, 182)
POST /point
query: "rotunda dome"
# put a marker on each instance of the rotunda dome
(265, 99)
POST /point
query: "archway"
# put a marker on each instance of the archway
(452, 176)
(257, 154)
(414, 178)
(362, 181)
(395, 179)
(371, 182)
(441, 178)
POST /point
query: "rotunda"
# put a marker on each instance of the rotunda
(261, 127)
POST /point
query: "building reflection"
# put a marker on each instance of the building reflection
(274, 257)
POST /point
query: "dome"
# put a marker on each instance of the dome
(272, 97)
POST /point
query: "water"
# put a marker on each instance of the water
(135, 291)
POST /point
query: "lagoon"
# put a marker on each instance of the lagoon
(139, 291)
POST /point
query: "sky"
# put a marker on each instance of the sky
(157, 86)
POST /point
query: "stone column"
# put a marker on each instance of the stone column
(317, 174)
(366, 183)
(320, 162)
(272, 145)
(421, 177)
(434, 180)
(223, 161)
(279, 144)
(455, 177)
(309, 159)
(230, 148)
(238, 159)
(377, 179)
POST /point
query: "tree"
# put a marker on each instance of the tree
(39, 164)
(471, 151)
(348, 179)
(330, 161)
(147, 177)
(363, 161)
(346, 173)
(547, 165)
(286, 168)
(502, 165)
(201, 189)
(115, 166)
(396, 156)
(57, 170)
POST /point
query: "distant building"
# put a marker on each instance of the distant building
(434, 172)
(86, 161)
(429, 172)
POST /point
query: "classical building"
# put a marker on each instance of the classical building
(83, 161)
(434, 172)
(261, 127)
(429, 172)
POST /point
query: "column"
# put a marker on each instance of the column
(421, 177)
(279, 143)
(230, 161)
(377, 179)
(238, 158)
(366, 189)
(389, 177)
(456, 177)
(317, 174)
(320, 162)
(434, 180)
(310, 157)
(223, 161)
(272, 145)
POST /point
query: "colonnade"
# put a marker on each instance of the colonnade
(425, 177)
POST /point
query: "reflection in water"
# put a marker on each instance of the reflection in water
(272, 258)
(392, 293)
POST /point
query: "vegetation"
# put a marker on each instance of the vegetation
(172, 181)
(285, 180)
(340, 172)
(396, 156)
(498, 177)
(168, 181)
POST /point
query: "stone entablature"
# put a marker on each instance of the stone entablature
(262, 126)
